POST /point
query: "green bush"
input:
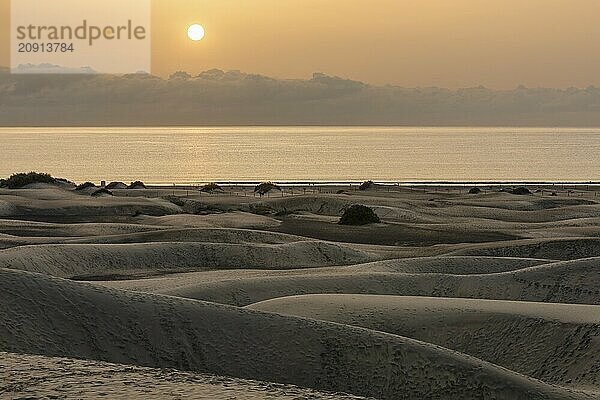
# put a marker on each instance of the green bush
(359, 215)
(475, 190)
(17, 181)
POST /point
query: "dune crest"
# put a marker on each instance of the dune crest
(83, 260)
(68, 319)
(548, 341)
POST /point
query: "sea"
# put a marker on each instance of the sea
(195, 155)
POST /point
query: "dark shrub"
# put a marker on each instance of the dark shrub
(367, 185)
(84, 186)
(116, 185)
(3, 183)
(521, 191)
(17, 181)
(137, 185)
(101, 192)
(211, 187)
(475, 190)
(266, 187)
(359, 215)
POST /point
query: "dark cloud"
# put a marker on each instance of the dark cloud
(218, 97)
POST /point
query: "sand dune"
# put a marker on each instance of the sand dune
(508, 201)
(436, 218)
(85, 260)
(387, 233)
(187, 284)
(418, 208)
(220, 220)
(317, 204)
(20, 233)
(8, 241)
(550, 248)
(455, 265)
(558, 249)
(65, 378)
(45, 229)
(58, 205)
(552, 342)
(447, 246)
(6, 208)
(213, 235)
(561, 282)
(54, 317)
(542, 215)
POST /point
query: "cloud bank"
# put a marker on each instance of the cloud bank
(217, 97)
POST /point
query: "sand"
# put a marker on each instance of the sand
(548, 341)
(29, 376)
(68, 319)
(558, 282)
(172, 293)
(83, 260)
(235, 219)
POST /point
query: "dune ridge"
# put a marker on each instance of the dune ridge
(81, 260)
(558, 248)
(558, 282)
(211, 235)
(551, 342)
(56, 317)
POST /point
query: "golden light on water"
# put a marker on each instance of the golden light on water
(196, 32)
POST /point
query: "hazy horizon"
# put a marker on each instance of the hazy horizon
(234, 98)
(426, 43)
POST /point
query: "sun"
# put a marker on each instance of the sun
(196, 32)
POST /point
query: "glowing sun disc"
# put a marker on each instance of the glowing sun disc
(196, 32)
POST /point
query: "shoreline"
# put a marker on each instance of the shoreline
(356, 183)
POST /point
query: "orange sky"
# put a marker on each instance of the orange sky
(449, 43)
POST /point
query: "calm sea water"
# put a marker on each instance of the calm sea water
(186, 155)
